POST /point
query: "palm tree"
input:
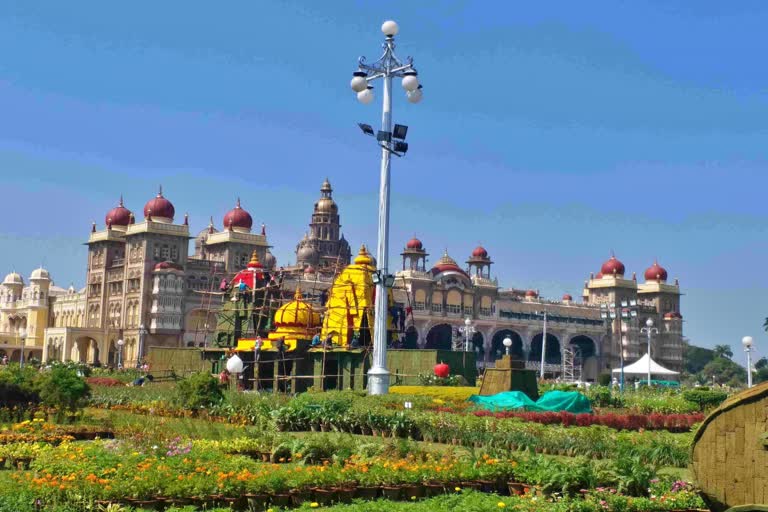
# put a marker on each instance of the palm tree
(723, 351)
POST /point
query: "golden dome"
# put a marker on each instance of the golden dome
(326, 205)
(363, 258)
(296, 313)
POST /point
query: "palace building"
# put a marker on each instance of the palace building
(143, 286)
(580, 344)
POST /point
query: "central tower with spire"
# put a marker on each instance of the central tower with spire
(325, 247)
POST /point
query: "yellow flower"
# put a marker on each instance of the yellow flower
(457, 489)
(501, 504)
(314, 504)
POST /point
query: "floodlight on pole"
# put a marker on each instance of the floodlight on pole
(389, 66)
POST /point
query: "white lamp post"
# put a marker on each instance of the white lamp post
(649, 330)
(120, 344)
(235, 367)
(507, 344)
(387, 67)
(469, 331)
(23, 335)
(543, 347)
(747, 342)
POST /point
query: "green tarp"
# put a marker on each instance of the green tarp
(552, 401)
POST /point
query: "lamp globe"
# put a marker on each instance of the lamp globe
(390, 28)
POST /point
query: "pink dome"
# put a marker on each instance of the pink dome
(479, 252)
(118, 216)
(414, 243)
(159, 207)
(656, 272)
(237, 217)
(612, 267)
(567, 296)
(531, 293)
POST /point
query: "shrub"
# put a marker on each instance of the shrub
(705, 398)
(62, 389)
(604, 379)
(104, 381)
(198, 391)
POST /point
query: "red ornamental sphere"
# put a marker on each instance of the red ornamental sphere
(442, 370)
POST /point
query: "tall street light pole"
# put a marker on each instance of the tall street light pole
(649, 330)
(747, 342)
(387, 67)
(543, 347)
(622, 311)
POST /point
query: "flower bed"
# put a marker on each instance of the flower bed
(669, 422)
(198, 473)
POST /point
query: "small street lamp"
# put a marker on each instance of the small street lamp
(235, 367)
(507, 344)
(649, 330)
(120, 344)
(391, 142)
(468, 330)
(747, 342)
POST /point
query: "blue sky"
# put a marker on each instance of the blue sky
(552, 133)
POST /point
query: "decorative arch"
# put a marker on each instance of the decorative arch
(586, 346)
(440, 337)
(553, 355)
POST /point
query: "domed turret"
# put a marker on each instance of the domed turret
(567, 298)
(118, 217)
(40, 274)
(480, 252)
(414, 243)
(159, 209)
(613, 267)
(326, 204)
(446, 264)
(656, 273)
(238, 219)
(13, 279)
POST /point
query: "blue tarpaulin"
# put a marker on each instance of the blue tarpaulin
(552, 401)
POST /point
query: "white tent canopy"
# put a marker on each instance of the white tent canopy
(640, 367)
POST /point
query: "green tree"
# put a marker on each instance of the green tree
(63, 390)
(723, 351)
(761, 363)
(724, 371)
